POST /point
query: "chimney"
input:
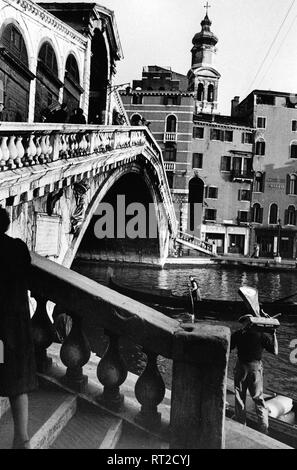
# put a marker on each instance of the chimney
(234, 104)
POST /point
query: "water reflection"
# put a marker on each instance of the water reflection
(215, 282)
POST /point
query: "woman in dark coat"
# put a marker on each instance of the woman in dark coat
(17, 372)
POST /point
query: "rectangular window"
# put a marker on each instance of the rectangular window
(210, 214)
(247, 138)
(212, 192)
(215, 134)
(261, 122)
(228, 136)
(244, 195)
(137, 99)
(197, 160)
(226, 163)
(170, 175)
(170, 153)
(198, 132)
(243, 216)
(223, 136)
(294, 126)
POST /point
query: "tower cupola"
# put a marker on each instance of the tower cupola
(203, 77)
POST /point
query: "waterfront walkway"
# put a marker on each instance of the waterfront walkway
(232, 260)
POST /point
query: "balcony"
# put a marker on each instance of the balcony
(169, 166)
(242, 175)
(170, 137)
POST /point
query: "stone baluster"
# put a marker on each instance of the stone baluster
(13, 153)
(96, 142)
(72, 145)
(38, 157)
(20, 150)
(44, 149)
(43, 334)
(49, 154)
(76, 145)
(32, 148)
(75, 353)
(150, 391)
(112, 372)
(5, 151)
(88, 143)
(63, 150)
(199, 381)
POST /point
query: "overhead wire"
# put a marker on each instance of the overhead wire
(278, 50)
(271, 45)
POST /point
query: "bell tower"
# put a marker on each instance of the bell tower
(203, 77)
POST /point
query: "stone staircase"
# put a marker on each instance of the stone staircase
(194, 243)
(60, 419)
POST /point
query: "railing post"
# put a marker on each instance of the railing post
(199, 381)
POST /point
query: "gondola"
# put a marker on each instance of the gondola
(165, 298)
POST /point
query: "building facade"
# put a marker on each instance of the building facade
(54, 53)
(274, 198)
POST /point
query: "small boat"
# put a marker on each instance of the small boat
(230, 308)
(282, 415)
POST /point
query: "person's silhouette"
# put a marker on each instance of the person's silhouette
(17, 372)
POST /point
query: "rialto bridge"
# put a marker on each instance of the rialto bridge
(53, 178)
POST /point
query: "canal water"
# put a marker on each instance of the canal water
(280, 374)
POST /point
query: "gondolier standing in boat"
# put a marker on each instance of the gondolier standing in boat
(194, 292)
(248, 372)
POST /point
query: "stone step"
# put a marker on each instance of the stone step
(133, 438)
(90, 428)
(42, 406)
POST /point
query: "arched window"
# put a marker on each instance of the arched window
(273, 214)
(293, 184)
(290, 216)
(72, 68)
(257, 213)
(259, 182)
(48, 58)
(293, 150)
(260, 147)
(171, 122)
(210, 93)
(136, 120)
(13, 40)
(200, 92)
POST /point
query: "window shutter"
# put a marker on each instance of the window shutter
(288, 184)
(165, 101)
(286, 217)
(178, 100)
(239, 194)
(206, 191)
(242, 138)
(261, 215)
(295, 218)
(238, 217)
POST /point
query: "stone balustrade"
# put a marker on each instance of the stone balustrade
(24, 145)
(28, 145)
(199, 354)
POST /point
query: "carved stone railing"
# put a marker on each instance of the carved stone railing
(25, 145)
(199, 354)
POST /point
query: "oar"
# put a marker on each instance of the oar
(192, 303)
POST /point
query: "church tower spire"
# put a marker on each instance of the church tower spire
(203, 76)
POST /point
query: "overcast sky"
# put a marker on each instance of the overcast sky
(160, 32)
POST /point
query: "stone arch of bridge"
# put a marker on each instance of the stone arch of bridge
(146, 172)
